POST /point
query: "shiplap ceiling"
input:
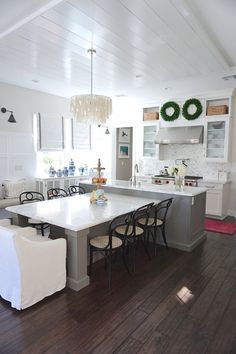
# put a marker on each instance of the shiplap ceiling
(146, 49)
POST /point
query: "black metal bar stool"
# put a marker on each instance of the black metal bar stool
(31, 197)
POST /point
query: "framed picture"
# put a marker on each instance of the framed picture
(124, 135)
(123, 152)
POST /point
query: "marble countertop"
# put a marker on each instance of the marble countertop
(77, 213)
(146, 187)
(211, 180)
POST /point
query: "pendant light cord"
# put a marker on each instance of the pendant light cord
(92, 51)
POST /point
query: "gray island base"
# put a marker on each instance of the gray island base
(185, 219)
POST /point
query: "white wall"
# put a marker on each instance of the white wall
(17, 155)
(24, 102)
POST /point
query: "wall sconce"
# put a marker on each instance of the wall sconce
(104, 126)
(11, 118)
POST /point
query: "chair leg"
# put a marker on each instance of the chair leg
(105, 260)
(154, 237)
(134, 252)
(145, 248)
(90, 261)
(164, 235)
(110, 268)
(125, 260)
(42, 230)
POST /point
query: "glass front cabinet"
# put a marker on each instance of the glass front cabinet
(216, 138)
(149, 135)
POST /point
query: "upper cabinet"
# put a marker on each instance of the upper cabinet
(216, 139)
(149, 135)
(150, 127)
(217, 129)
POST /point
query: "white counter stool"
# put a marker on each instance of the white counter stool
(160, 211)
(31, 197)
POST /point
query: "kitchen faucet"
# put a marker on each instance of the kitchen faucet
(136, 170)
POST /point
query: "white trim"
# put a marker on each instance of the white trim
(231, 212)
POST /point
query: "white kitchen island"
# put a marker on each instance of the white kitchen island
(77, 219)
(185, 220)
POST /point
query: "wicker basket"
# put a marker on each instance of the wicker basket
(217, 110)
(151, 116)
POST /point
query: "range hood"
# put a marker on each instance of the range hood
(180, 135)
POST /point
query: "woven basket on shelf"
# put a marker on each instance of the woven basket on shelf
(217, 110)
(151, 116)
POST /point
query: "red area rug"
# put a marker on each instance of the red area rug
(220, 226)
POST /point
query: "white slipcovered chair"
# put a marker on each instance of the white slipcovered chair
(31, 266)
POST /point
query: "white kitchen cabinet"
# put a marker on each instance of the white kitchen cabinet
(44, 184)
(217, 197)
(150, 149)
(216, 139)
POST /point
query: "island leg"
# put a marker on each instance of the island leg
(77, 277)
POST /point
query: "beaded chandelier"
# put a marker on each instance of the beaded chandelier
(90, 108)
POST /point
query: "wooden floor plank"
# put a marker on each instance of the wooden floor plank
(144, 313)
(223, 341)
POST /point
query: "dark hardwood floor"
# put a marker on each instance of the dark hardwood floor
(176, 303)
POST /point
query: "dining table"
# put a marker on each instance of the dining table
(77, 219)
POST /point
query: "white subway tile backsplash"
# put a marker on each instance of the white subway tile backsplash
(196, 166)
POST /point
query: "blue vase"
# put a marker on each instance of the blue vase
(51, 171)
(59, 173)
(71, 168)
(65, 171)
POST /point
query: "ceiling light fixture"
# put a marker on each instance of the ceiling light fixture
(90, 108)
(11, 118)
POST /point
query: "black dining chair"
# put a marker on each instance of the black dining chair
(108, 245)
(31, 197)
(157, 221)
(55, 193)
(132, 233)
(76, 190)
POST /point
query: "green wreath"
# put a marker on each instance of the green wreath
(174, 115)
(197, 104)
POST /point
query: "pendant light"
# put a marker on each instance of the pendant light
(90, 108)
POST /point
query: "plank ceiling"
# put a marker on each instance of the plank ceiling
(146, 49)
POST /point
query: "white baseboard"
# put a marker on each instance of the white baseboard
(231, 213)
